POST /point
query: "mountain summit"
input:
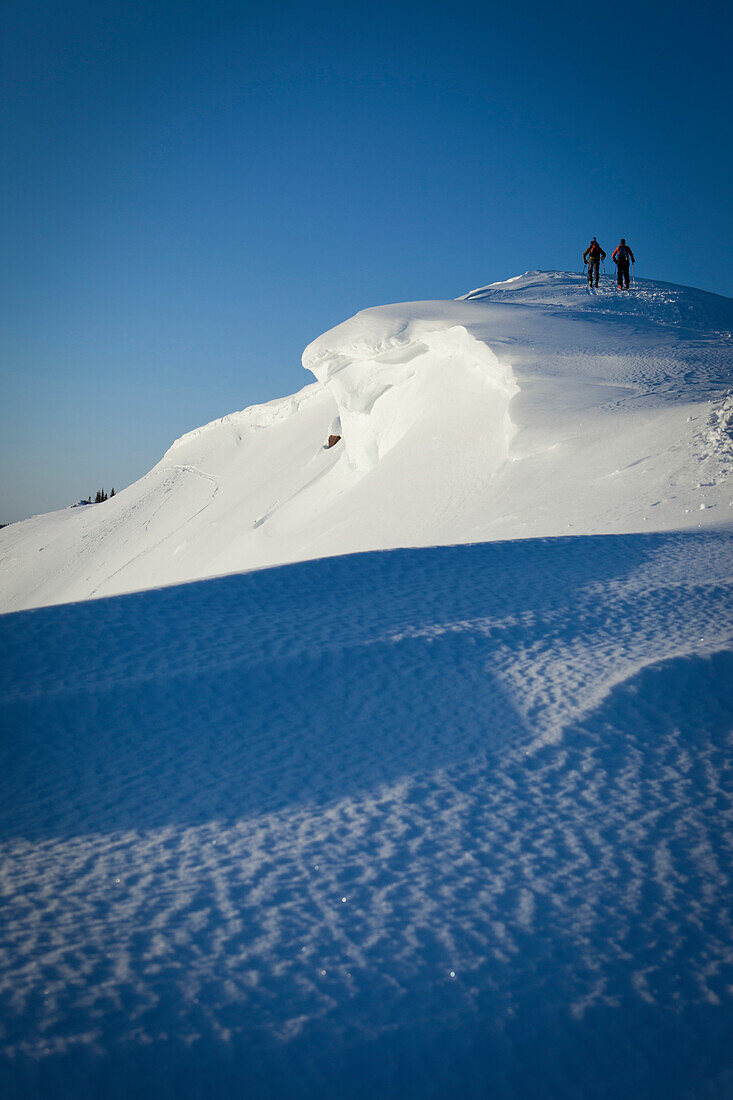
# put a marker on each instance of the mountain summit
(531, 407)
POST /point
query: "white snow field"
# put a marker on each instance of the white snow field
(527, 409)
(430, 820)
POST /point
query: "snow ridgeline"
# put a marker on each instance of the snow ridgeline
(384, 378)
(250, 419)
(530, 408)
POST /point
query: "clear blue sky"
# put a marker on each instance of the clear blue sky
(191, 191)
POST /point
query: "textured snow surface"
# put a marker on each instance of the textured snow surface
(440, 821)
(432, 822)
(529, 408)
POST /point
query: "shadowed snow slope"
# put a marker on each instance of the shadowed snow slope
(529, 408)
(449, 822)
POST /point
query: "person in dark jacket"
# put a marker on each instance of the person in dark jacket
(593, 256)
(622, 255)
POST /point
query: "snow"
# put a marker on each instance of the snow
(385, 375)
(530, 408)
(448, 817)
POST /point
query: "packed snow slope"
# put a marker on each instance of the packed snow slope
(528, 408)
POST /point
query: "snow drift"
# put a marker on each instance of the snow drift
(528, 408)
(386, 378)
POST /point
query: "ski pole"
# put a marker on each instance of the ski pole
(633, 275)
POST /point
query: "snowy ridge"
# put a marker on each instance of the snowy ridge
(250, 419)
(664, 303)
(530, 408)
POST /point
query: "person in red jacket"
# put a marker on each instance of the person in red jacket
(621, 256)
(593, 256)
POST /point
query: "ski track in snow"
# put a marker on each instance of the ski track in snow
(438, 822)
(185, 469)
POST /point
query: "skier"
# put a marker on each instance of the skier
(593, 256)
(621, 256)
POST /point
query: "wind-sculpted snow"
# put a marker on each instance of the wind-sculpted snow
(528, 409)
(388, 378)
(440, 822)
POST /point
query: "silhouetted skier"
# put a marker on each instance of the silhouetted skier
(622, 254)
(593, 256)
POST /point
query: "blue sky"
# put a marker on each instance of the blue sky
(193, 191)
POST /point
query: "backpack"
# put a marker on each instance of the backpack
(595, 249)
